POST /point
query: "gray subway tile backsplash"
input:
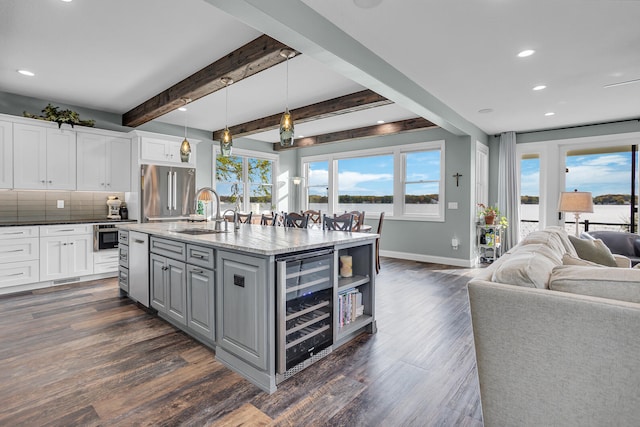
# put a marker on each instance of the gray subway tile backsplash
(17, 206)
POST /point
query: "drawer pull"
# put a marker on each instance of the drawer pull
(64, 231)
(15, 250)
(15, 232)
(16, 274)
(198, 271)
(197, 256)
(138, 241)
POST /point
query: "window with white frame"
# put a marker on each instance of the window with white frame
(404, 181)
(244, 181)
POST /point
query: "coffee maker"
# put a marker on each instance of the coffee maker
(114, 207)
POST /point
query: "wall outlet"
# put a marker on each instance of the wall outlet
(60, 204)
(452, 205)
(454, 243)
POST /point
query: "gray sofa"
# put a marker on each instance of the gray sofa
(619, 242)
(557, 339)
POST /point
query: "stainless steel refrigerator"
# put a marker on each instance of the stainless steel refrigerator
(168, 193)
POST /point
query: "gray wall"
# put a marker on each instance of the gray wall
(425, 240)
(421, 238)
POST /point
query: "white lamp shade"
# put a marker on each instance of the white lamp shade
(575, 201)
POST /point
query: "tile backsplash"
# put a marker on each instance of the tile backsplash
(16, 206)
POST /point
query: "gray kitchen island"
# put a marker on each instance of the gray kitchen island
(269, 300)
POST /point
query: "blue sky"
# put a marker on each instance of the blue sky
(374, 175)
(599, 173)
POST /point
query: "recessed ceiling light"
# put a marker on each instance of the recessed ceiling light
(550, 113)
(26, 73)
(182, 109)
(486, 111)
(380, 122)
(300, 136)
(539, 87)
(67, 1)
(526, 53)
(367, 4)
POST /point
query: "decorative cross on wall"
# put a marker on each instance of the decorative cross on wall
(457, 177)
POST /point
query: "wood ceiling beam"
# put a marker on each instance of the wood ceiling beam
(255, 56)
(333, 107)
(418, 123)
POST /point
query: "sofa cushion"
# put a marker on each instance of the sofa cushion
(529, 266)
(594, 251)
(550, 239)
(621, 284)
(568, 259)
(564, 238)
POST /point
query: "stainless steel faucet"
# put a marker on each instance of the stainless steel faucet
(218, 219)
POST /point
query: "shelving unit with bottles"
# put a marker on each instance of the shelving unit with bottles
(489, 242)
(355, 295)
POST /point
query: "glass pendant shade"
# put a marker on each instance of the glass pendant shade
(226, 142)
(286, 129)
(185, 151)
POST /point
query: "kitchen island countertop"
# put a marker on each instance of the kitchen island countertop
(258, 239)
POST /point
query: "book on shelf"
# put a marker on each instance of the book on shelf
(350, 306)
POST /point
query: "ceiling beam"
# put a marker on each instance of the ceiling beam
(358, 101)
(255, 56)
(418, 123)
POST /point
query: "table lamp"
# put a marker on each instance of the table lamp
(577, 202)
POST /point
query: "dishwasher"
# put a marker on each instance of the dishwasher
(139, 267)
(304, 310)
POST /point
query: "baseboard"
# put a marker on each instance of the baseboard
(457, 262)
(53, 283)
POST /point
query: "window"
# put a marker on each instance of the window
(403, 181)
(529, 193)
(317, 174)
(365, 184)
(246, 173)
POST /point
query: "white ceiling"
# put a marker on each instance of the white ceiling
(445, 60)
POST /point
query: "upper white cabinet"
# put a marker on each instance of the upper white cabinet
(6, 151)
(104, 163)
(44, 158)
(163, 149)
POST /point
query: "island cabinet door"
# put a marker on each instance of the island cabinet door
(200, 301)
(241, 313)
(176, 291)
(157, 280)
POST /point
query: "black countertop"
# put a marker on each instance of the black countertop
(68, 221)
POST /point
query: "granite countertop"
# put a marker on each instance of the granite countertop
(68, 221)
(251, 238)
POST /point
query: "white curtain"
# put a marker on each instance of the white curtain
(508, 196)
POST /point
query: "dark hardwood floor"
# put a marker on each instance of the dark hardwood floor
(80, 355)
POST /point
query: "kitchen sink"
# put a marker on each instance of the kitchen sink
(196, 231)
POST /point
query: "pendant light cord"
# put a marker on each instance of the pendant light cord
(226, 105)
(287, 87)
(186, 115)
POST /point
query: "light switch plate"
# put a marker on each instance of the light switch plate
(60, 204)
(452, 205)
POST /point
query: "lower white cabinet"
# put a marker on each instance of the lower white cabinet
(66, 256)
(105, 261)
(168, 287)
(19, 252)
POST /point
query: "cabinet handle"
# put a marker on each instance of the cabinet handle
(138, 241)
(195, 270)
(15, 250)
(50, 182)
(43, 181)
(15, 232)
(102, 184)
(16, 274)
(64, 244)
(64, 231)
(197, 256)
(71, 243)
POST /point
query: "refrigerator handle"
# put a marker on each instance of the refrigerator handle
(175, 189)
(169, 190)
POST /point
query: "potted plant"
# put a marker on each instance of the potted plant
(490, 214)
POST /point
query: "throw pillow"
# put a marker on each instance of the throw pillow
(568, 259)
(621, 284)
(594, 251)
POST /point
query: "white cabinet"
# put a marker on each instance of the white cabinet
(6, 154)
(160, 150)
(104, 163)
(18, 256)
(65, 251)
(43, 158)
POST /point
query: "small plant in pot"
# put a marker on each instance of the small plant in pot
(491, 214)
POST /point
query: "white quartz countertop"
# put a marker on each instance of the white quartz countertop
(257, 239)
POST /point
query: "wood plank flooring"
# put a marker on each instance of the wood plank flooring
(79, 355)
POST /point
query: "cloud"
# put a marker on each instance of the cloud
(358, 183)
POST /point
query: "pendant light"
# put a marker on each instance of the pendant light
(286, 122)
(185, 147)
(226, 142)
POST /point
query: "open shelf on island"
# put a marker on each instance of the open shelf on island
(351, 282)
(360, 321)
